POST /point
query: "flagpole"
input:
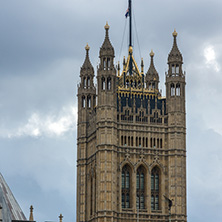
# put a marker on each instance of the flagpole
(130, 23)
(130, 38)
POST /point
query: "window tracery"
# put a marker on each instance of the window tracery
(126, 187)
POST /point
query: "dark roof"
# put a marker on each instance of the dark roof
(10, 207)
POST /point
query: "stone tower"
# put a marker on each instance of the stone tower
(131, 140)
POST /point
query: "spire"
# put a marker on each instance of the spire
(175, 54)
(87, 66)
(106, 48)
(31, 214)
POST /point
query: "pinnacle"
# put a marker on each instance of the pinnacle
(107, 48)
(87, 64)
(152, 70)
(175, 54)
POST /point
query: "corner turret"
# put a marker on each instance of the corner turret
(86, 90)
(106, 74)
(175, 58)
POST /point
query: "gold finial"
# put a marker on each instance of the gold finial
(31, 214)
(106, 26)
(131, 49)
(174, 33)
(152, 53)
(87, 47)
(60, 218)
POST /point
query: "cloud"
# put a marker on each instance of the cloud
(210, 56)
(40, 125)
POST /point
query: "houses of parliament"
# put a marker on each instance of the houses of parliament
(131, 143)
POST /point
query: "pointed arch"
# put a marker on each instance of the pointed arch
(88, 101)
(88, 81)
(84, 82)
(103, 83)
(172, 89)
(126, 175)
(178, 89)
(177, 68)
(109, 83)
(140, 187)
(108, 63)
(173, 69)
(83, 101)
(104, 63)
(155, 188)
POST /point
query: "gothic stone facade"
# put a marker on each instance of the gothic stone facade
(131, 140)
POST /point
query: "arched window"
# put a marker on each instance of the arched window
(136, 141)
(84, 82)
(103, 83)
(83, 102)
(89, 102)
(88, 82)
(108, 63)
(104, 63)
(109, 83)
(161, 143)
(121, 140)
(158, 143)
(172, 89)
(94, 101)
(140, 188)
(151, 142)
(128, 140)
(146, 142)
(173, 69)
(177, 69)
(178, 89)
(155, 188)
(126, 187)
(125, 140)
(131, 141)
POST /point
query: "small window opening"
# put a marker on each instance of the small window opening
(178, 89)
(177, 69)
(173, 69)
(83, 102)
(103, 83)
(109, 83)
(108, 63)
(172, 89)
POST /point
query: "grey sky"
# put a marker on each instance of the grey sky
(41, 51)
